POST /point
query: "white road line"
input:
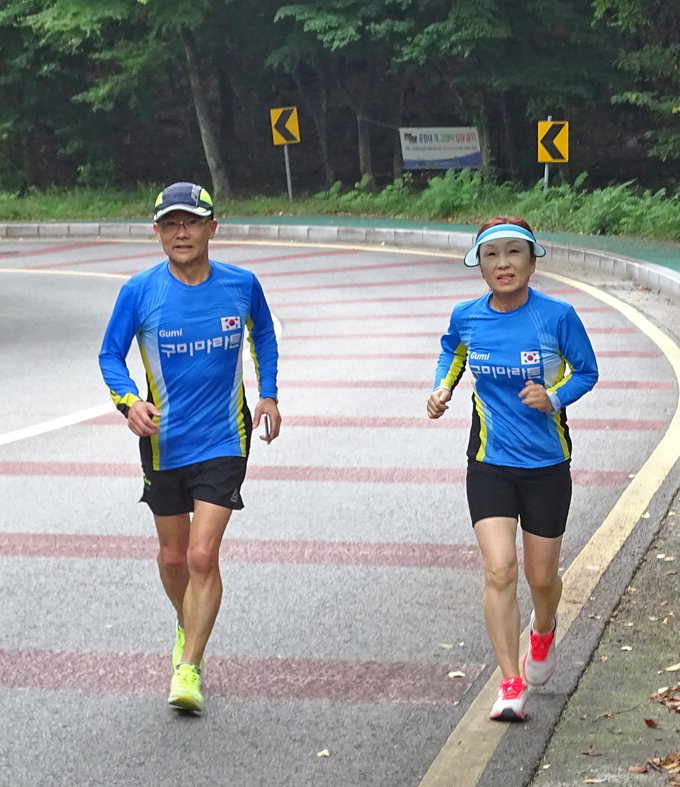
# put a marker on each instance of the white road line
(55, 423)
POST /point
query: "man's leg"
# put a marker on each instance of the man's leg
(203, 593)
(173, 540)
(496, 537)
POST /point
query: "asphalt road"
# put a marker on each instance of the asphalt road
(350, 645)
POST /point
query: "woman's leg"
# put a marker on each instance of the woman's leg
(541, 563)
(496, 538)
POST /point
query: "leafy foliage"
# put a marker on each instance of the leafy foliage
(132, 90)
(650, 55)
(462, 198)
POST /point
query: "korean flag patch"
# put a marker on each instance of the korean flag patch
(530, 357)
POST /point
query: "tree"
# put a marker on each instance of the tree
(362, 39)
(135, 39)
(649, 53)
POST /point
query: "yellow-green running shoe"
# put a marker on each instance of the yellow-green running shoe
(178, 649)
(185, 688)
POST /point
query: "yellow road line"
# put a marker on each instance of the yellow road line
(472, 743)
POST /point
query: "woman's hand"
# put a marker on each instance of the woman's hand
(536, 396)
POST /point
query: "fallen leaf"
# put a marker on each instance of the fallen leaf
(652, 618)
(637, 768)
(669, 559)
(323, 753)
(670, 697)
(594, 781)
(670, 763)
(673, 667)
(546, 766)
(445, 645)
(651, 723)
(661, 556)
(626, 647)
(457, 674)
(592, 753)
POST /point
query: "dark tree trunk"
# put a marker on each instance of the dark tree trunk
(206, 122)
(509, 146)
(317, 106)
(396, 106)
(485, 138)
(364, 141)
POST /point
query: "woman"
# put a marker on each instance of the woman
(530, 357)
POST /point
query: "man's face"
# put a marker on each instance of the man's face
(185, 237)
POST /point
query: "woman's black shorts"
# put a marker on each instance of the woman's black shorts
(538, 497)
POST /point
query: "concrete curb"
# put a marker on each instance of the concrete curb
(645, 274)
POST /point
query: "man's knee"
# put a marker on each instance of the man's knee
(202, 559)
(171, 558)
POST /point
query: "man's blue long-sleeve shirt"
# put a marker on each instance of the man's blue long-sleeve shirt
(191, 339)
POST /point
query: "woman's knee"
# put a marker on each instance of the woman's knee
(501, 576)
(543, 579)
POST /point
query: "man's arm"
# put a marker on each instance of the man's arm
(118, 337)
(265, 354)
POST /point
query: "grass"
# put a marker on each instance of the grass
(464, 197)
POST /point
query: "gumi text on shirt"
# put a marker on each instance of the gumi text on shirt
(530, 367)
(230, 339)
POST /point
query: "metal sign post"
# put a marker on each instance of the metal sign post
(285, 131)
(289, 182)
(553, 144)
(546, 168)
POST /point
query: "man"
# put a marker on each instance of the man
(188, 314)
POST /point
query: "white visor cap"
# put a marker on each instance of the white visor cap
(497, 232)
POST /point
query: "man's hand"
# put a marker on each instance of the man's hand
(536, 396)
(270, 408)
(139, 419)
(436, 404)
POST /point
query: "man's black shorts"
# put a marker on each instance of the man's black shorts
(218, 481)
(539, 497)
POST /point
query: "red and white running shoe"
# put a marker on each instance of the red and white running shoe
(539, 663)
(509, 706)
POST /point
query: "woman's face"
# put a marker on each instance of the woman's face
(507, 265)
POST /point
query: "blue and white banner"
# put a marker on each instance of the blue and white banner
(440, 148)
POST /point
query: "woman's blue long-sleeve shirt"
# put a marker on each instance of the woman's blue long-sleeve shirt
(543, 341)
